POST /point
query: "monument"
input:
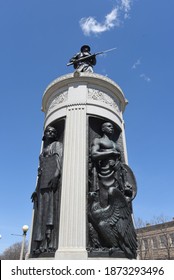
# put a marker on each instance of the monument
(84, 190)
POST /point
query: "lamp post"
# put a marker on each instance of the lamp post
(25, 229)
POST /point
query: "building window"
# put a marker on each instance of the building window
(145, 243)
(154, 243)
(163, 241)
(172, 239)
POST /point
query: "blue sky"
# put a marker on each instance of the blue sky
(37, 40)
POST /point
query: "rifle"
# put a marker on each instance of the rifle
(89, 56)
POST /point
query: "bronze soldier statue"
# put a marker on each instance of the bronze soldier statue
(83, 61)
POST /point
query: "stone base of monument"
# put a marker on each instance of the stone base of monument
(80, 255)
(117, 253)
(71, 255)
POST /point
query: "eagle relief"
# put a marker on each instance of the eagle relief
(112, 187)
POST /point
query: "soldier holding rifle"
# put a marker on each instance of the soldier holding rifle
(84, 61)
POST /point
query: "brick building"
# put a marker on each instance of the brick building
(156, 241)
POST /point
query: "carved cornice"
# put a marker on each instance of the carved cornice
(86, 78)
(85, 74)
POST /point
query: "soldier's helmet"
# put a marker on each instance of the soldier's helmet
(85, 47)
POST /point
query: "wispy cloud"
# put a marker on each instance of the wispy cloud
(126, 6)
(142, 76)
(90, 25)
(135, 65)
(145, 77)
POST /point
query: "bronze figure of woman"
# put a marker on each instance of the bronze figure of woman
(47, 193)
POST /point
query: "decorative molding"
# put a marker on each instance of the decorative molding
(99, 95)
(76, 107)
(61, 98)
(101, 77)
(89, 79)
(58, 80)
(85, 74)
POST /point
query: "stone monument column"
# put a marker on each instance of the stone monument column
(72, 234)
(77, 105)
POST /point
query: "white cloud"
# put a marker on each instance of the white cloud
(126, 7)
(142, 76)
(138, 62)
(112, 18)
(146, 78)
(90, 25)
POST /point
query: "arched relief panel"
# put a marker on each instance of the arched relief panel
(105, 98)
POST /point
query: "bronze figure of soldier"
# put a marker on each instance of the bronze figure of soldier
(83, 61)
(112, 189)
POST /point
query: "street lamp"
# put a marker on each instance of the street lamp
(25, 229)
